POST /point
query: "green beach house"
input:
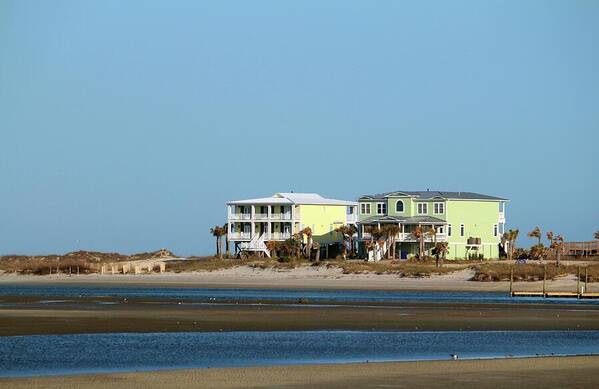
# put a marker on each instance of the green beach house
(471, 223)
(253, 222)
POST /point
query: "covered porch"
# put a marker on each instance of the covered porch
(406, 242)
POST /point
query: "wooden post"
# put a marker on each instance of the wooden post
(578, 283)
(586, 278)
(544, 278)
(77, 269)
(162, 267)
(511, 280)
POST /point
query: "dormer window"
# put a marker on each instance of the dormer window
(399, 207)
(381, 208)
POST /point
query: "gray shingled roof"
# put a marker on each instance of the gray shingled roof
(430, 194)
(403, 220)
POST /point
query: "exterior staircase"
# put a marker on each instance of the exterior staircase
(257, 244)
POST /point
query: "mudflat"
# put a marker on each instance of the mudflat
(31, 315)
(554, 372)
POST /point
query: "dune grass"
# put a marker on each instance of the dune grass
(531, 272)
(404, 269)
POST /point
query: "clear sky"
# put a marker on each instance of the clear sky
(126, 126)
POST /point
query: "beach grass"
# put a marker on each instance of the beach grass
(495, 271)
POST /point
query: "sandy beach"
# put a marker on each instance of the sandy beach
(558, 372)
(302, 277)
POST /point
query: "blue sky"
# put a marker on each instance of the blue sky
(125, 126)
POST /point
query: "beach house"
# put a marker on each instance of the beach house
(471, 223)
(253, 222)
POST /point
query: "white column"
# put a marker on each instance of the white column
(269, 210)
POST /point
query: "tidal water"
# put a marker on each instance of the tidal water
(222, 295)
(88, 353)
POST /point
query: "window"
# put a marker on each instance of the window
(439, 208)
(422, 208)
(439, 230)
(449, 230)
(381, 208)
(462, 230)
(494, 229)
(350, 210)
(399, 206)
(365, 209)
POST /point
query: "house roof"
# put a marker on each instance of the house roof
(294, 198)
(403, 220)
(432, 194)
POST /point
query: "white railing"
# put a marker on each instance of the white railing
(280, 216)
(261, 216)
(501, 217)
(351, 219)
(240, 216)
(277, 236)
(239, 235)
(409, 237)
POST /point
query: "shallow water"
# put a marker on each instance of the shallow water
(86, 353)
(227, 295)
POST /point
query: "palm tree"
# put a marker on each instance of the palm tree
(375, 235)
(391, 230)
(596, 235)
(419, 234)
(274, 246)
(347, 232)
(308, 247)
(351, 231)
(511, 237)
(441, 249)
(536, 233)
(226, 228)
(556, 243)
(218, 232)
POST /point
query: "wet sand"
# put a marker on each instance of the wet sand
(34, 315)
(554, 372)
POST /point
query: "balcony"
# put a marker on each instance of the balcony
(280, 216)
(409, 237)
(239, 235)
(240, 216)
(277, 236)
(260, 216)
(265, 236)
(351, 219)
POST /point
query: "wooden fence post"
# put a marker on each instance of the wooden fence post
(544, 278)
(578, 283)
(511, 280)
(586, 278)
